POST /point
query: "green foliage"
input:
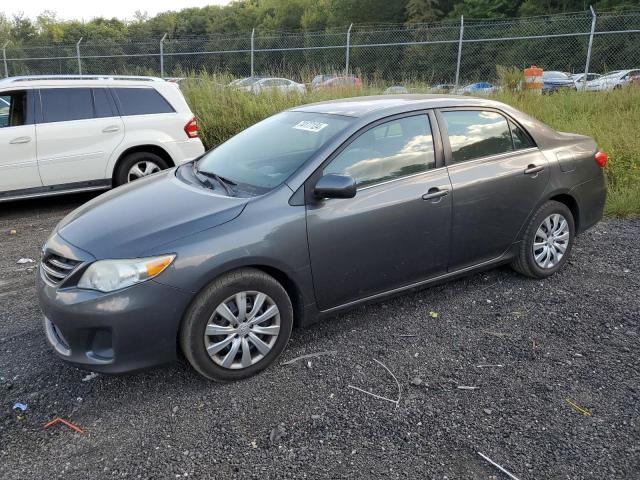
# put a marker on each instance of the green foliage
(609, 117)
(509, 78)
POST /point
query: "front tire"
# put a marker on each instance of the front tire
(547, 241)
(237, 326)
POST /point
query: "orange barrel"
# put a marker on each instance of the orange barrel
(533, 79)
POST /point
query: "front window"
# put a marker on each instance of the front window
(391, 150)
(265, 155)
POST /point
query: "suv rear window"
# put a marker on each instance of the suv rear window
(141, 101)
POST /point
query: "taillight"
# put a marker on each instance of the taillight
(191, 128)
(601, 158)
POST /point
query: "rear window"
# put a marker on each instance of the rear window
(141, 101)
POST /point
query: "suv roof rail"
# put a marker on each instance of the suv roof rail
(27, 78)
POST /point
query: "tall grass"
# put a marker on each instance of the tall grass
(612, 118)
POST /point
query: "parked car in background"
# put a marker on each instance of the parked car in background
(579, 78)
(244, 82)
(349, 81)
(612, 80)
(396, 89)
(311, 211)
(63, 134)
(553, 81)
(270, 84)
(478, 88)
(442, 88)
(323, 77)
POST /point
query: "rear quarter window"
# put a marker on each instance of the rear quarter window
(141, 101)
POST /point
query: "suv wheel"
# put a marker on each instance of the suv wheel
(547, 241)
(237, 326)
(137, 165)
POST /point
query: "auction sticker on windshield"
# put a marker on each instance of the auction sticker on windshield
(310, 126)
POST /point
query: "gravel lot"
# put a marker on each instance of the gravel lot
(574, 336)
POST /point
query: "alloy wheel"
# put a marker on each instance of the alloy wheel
(242, 330)
(142, 169)
(551, 241)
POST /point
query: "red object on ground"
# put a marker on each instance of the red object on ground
(64, 422)
(601, 158)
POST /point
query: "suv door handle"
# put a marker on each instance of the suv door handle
(435, 194)
(19, 140)
(111, 129)
(531, 169)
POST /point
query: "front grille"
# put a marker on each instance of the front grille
(56, 268)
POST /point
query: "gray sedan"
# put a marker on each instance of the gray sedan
(304, 214)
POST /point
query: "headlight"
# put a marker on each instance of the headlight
(110, 275)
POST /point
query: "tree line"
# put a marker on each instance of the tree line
(241, 16)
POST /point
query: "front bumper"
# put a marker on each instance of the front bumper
(116, 332)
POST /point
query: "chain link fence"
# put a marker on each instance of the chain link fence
(455, 51)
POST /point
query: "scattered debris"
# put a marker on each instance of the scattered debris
(464, 387)
(25, 260)
(433, 314)
(416, 381)
(90, 377)
(254, 444)
(309, 355)
(397, 402)
(502, 469)
(175, 409)
(13, 231)
(578, 408)
(497, 365)
(20, 406)
(309, 364)
(488, 411)
(277, 433)
(72, 426)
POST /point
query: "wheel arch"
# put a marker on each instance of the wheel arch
(155, 149)
(572, 205)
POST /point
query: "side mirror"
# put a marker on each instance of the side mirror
(335, 186)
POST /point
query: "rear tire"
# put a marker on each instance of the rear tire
(547, 241)
(237, 326)
(146, 163)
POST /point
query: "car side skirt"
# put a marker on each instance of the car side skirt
(313, 314)
(51, 190)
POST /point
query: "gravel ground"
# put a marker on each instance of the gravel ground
(572, 337)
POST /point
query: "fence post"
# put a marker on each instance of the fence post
(78, 53)
(162, 55)
(346, 69)
(593, 29)
(253, 37)
(459, 50)
(4, 58)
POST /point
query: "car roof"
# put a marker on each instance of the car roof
(381, 105)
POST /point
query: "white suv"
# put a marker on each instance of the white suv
(62, 134)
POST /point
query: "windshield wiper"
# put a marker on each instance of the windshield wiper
(225, 182)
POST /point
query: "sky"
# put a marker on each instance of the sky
(88, 9)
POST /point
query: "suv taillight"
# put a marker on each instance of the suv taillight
(601, 158)
(191, 128)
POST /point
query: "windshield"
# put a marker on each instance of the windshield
(266, 154)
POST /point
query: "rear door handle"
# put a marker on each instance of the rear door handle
(111, 129)
(435, 194)
(531, 169)
(19, 140)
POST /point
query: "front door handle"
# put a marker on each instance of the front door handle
(19, 140)
(435, 194)
(111, 129)
(532, 169)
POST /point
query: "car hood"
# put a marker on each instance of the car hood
(130, 220)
